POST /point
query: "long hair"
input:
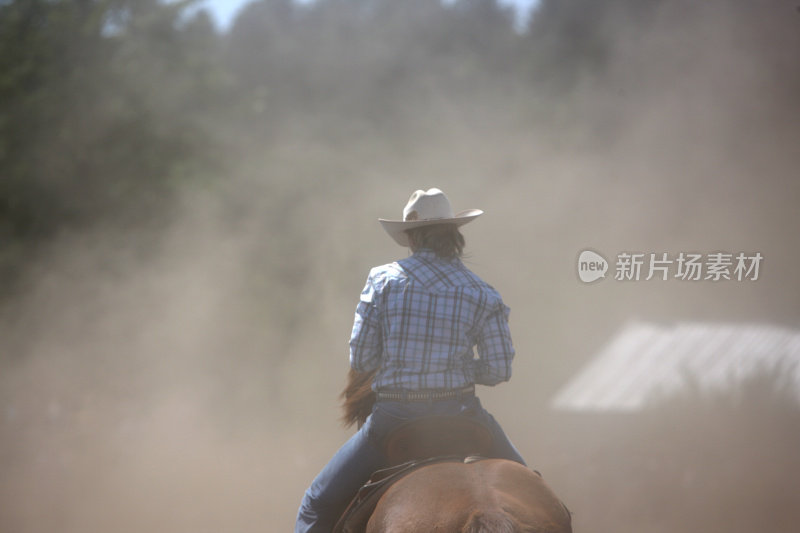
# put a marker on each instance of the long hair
(492, 522)
(357, 397)
(444, 239)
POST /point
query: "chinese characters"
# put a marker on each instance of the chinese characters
(717, 266)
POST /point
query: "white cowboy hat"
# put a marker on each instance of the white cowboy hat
(426, 208)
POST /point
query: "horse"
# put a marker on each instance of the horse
(457, 496)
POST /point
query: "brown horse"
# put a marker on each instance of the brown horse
(484, 496)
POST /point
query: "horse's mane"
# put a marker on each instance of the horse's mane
(357, 397)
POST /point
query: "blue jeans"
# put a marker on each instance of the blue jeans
(333, 488)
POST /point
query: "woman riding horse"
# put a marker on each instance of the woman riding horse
(416, 325)
(453, 491)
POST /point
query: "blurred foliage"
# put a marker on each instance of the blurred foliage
(109, 108)
(98, 114)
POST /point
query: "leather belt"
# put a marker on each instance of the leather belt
(425, 395)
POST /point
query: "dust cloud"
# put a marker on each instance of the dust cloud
(189, 382)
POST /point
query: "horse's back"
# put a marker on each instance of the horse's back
(491, 495)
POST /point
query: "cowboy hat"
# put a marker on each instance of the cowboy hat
(426, 208)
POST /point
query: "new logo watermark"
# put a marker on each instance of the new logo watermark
(591, 266)
(683, 266)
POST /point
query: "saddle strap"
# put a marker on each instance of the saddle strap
(357, 514)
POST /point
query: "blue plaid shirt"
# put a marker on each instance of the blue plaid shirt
(418, 320)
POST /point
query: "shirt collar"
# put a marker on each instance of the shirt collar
(429, 255)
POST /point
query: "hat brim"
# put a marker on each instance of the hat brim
(397, 228)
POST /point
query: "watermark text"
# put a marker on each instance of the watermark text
(663, 266)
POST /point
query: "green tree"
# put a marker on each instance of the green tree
(101, 114)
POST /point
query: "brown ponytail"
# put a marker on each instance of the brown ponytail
(444, 239)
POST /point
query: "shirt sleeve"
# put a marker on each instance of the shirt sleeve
(366, 340)
(495, 349)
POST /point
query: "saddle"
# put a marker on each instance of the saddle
(413, 445)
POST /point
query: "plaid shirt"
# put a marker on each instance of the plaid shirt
(418, 320)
